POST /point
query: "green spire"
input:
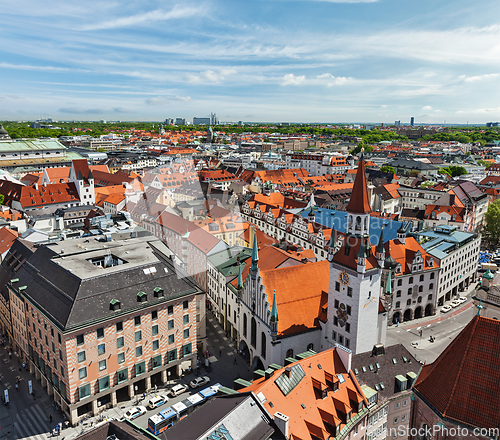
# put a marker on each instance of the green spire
(388, 285)
(240, 278)
(255, 253)
(380, 245)
(274, 310)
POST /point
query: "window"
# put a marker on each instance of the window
(405, 402)
(138, 336)
(81, 356)
(400, 282)
(186, 349)
(154, 330)
(82, 373)
(120, 342)
(170, 310)
(349, 310)
(138, 351)
(408, 302)
(170, 324)
(410, 280)
(185, 319)
(156, 344)
(172, 355)
(419, 299)
(431, 286)
(335, 321)
(403, 417)
(421, 278)
(396, 405)
(341, 340)
(348, 327)
(102, 365)
(60, 355)
(171, 339)
(349, 291)
(119, 326)
(334, 335)
(432, 275)
(337, 286)
(186, 333)
(59, 338)
(398, 304)
(101, 349)
(100, 333)
(137, 320)
(46, 340)
(79, 340)
(53, 347)
(396, 420)
(347, 343)
(410, 291)
(121, 358)
(154, 315)
(185, 305)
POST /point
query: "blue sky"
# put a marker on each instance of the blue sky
(273, 60)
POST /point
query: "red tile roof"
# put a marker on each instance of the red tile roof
(7, 238)
(359, 202)
(462, 383)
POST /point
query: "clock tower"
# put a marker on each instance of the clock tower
(356, 319)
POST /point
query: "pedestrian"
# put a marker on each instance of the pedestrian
(10, 355)
(220, 353)
(50, 418)
(235, 361)
(60, 426)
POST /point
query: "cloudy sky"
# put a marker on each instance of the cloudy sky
(272, 60)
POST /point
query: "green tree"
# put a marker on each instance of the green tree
(2, 198)
(491, 230)
(453, 171)
(388, 169)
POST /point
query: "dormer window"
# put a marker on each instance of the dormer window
(114, 304)
(158, 292)
(142, 297)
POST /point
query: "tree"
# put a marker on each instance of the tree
(2, 198)
(492, 218)
(453, 171)
(388, 169)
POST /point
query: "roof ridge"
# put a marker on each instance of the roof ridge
(474, 325)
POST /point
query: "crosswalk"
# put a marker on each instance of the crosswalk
(31, 424)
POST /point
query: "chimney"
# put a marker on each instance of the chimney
(282, 423)
(345, 356)
(378, 350)
(288, 372)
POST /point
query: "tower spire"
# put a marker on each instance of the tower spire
(274, 318)
(359, 202)
(255, 254)
(239, 286)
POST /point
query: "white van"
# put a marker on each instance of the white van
(177, 389)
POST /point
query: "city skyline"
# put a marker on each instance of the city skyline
(280, 60)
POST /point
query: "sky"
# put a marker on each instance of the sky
(255, 61)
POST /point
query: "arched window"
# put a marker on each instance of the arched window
(421, 278)
(420, 288)
(310, 347)
(410, 291)
(253, 333)
(419, 299)
(398, 304)
(245, 325)
(263, 345)
(289, 353)
(431, 286)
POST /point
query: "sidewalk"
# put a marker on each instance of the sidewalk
(436, 319)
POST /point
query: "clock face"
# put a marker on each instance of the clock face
(344, 277)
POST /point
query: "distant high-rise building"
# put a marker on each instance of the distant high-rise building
(492, 124)
(169, 121)
(180, 121)
(202, 121)
(213, 119)
(412, 121)
(397, 123)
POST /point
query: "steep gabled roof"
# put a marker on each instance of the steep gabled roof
(462, 383)
(359, 202)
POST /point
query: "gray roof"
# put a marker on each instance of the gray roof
(411, 164)
(69, 289)
(388, 370)
(240, 414)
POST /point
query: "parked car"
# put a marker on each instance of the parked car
(462, 299)
(177, 389)
(455, 303)
(134, 412)
(199, 381)
(445, 309)
(157, 401)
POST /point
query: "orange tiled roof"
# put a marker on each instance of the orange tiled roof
(461, 384)
(359, 202)
(311, 415)
(7, 238)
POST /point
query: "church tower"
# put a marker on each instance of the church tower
(354, 320)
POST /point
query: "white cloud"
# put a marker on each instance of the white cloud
(210, 76)
(291, 80)
(480, 77)
(427, 107)
(39, 68)
(147, 17)
(161, 100)
(334, 81)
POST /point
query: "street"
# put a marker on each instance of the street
(442, 327)
(28, 418)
